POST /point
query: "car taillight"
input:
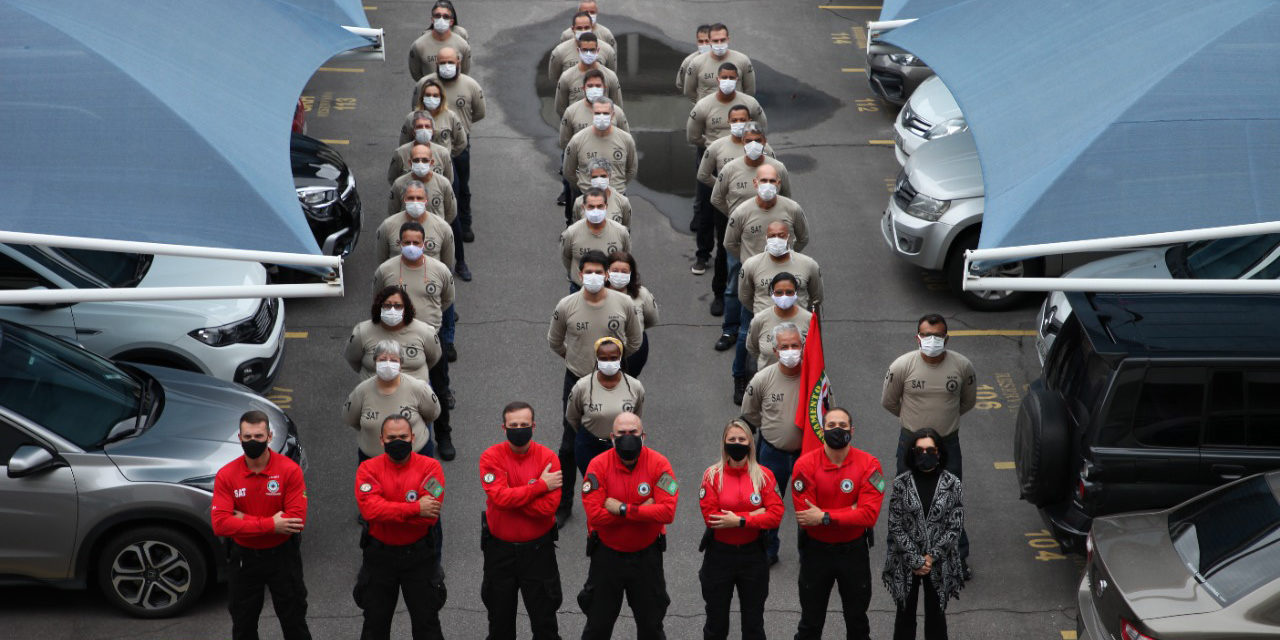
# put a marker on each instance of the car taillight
(1130, 632)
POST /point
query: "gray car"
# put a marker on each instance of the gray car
(1207, 568)
(108, 471)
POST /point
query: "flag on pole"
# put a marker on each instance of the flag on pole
(815, 388)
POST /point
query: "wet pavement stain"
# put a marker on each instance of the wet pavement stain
(656, 110)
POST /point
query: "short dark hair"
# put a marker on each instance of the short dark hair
(588, 37)
(784, 276)
(412, 226)
(593, 257)
(253, 416)
(927, 432)
(593, 192)
(843, 410)
(730, 67)
(703, 28)
(718, 26)
(739, 107)
(931, 318)
(375, 312)
(593, 73)
(580, 14)
(517, 405)
(392, 418)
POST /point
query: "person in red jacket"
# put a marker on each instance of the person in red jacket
(521, 481)
(399, 494)
(836, 491)
(739, 501)
(629, 495)
(260, 503)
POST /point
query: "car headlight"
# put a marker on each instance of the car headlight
(946, 128)
(906, 114)
(905, 59)
(240, 331)
(318, 197)
(927, 208)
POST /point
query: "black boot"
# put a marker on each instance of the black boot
(739, 388)
(445, 448)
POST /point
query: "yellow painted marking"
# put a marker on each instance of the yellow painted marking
(841, 37)
(281, 389)
(854, 70)
(853, 7)
(1068, 635)
(295, 334)
(860, 34)
(347, 142)
(369, 8)
(989, 332)
(1003, 466)
(884, 142)
(341, 70)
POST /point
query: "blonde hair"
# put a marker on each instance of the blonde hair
(422, 92)
(715, 472)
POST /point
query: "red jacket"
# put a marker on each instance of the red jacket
(387, 494)
(652, 477)
(259, 496)
(518, 506)
(732, 490)
(851, 492)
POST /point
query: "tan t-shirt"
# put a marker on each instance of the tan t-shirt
(565, 55)
(425, 49)
(419, 347)
(647, 307)
(440, 200)
(569, 87)
(760, 335)
(702, 79)
(576, 325)
(720, 153)
(770, 404)
(602, 32)
(594, 407)
(745, 234)
(617, 147)
(930, 395)
(429, 285)
(367, 407)
(758, 270)
(579, 238)
(466, 98)
(616, 206)
(709, 120)
(578, 117)
(683, 71)
(736, 183)
(448, 131)
(438, 242)
(441, 161)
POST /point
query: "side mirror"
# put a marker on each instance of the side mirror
(30, 459)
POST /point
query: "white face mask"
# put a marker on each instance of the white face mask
(720, 49)
(727, 85)
(789, 357)
(441, 25)
(420, 169)
(609, 367)
(933, 346)
(387, 370)
(601, 182)
(448, 71)
(777, 247)
(593, 282)
(736, 128)
(392, 317)
(619, 279)
(784, 302)
(588, 57)
(601, 121)
(431, 102)
(767, 190)
(423, 136)
(594, 216)
(703, 48)
(577, 35)
(415, 209)
(594, 92)
(753, 149)
(411, 252)
(593, 19)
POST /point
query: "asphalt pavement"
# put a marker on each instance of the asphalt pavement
(829, 129)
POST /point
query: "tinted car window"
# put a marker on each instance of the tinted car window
(1244, 409)
(16, 276)
(1228, 258)
(1230, 539)
(10, 440)
(1170, 407)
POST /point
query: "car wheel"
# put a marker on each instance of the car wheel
(990, 300)
(152, 572)
(1041, 444)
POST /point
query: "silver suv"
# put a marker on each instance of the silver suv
(108, 471)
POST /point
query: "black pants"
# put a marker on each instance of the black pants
(634, 363)
(567, 442)
(636, 575)
(389, 571)
(528, 569)
(845, 566)
(438, 378)
(725, 567)
(462, 186)
(278, 569)
(574, 193)
(703, 212)
(935, 620)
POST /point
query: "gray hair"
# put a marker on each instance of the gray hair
(753, 127)
(600, 163)
(414, 184)
(605, 101)
(424, 115)
(390, 347)
(786, 327)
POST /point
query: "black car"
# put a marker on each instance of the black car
(1147, 400)
(327, 191)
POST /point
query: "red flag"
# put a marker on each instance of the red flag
(815, 388)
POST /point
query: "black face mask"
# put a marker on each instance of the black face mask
(399, 450)
(837, 438)
(927, 462)
(253, 449)
(520, 436)
(737, 451)
(628, 447)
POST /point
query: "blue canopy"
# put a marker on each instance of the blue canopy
(342, 12)
(1117, 118)
(163, 121)
(902, 9)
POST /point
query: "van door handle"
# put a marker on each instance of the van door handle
(1228, 471)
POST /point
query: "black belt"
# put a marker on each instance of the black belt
(269, 552)
(847, 546)
(753, 547)
(659, 543)
(549, 536)
(424, 541)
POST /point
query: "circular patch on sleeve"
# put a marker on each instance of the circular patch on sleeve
(798, 485)
(411, 496)
(846, 485)
(586, 487)
(755, 499)
(366, 487)
(702, 493)
(488, 477)
(643, 489)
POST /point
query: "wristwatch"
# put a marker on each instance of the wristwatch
(622, 511)
(826, 518)
(742, 521)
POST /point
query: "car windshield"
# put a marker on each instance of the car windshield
(68, 390)
(114, 269)
(1226, 258)
(1230, 539)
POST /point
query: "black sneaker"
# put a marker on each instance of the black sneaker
(450, 352)
(739, 388)
(726, 341)
(698, 268)
(562, 517)
(966, 572)
(560, 200)
(463, 271)
(468, 236)
(446, 450)
(717, 306)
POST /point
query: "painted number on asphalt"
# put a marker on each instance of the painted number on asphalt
(281, 397)
(1042, 541)
(867, 105)
(987, 398)
(325, 103)
(841, 37)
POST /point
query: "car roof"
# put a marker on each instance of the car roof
(1179, 325)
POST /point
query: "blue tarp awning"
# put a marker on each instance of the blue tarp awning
(163, 121)
(1105, 119)
(903, 9)
(348, 13)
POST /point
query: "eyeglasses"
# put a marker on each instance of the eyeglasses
(393, 305)
(933, 450)
(446, 16)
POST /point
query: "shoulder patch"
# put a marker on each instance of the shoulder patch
(798, 485)
(488, 477)
(590, 484)
(433, 487)
(702, 493)
(366, 488)
(877, 481)
(667, 483)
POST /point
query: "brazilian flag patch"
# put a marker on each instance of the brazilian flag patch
(877, 481)
(434, 488)
(667, 483)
